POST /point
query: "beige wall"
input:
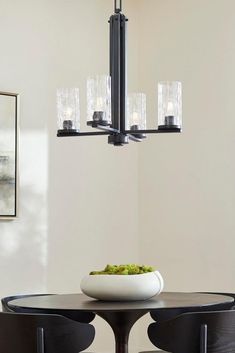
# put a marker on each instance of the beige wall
(167, 202)
(78, 197)
(93, 187)
(187, 188)
(25, 68)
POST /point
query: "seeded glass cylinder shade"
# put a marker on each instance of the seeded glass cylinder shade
(99, 100)
(136, 111)
(169, 105)
(68, 109)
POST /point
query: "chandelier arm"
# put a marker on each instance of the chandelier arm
(134, 138)
(107, 128)
(63, 133)
(153, 131)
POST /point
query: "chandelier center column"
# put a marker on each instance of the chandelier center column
(118, 73)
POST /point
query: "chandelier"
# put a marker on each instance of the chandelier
(110, 109)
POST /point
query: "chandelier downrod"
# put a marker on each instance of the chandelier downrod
(117, 8)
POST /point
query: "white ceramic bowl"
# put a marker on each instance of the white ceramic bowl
(123, 287)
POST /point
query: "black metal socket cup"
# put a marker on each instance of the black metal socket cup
(99, 116)
(68, 125)
(135, 127)
(170, 120)
(98, 119)
(170, 124)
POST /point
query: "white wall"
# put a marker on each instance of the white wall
(93, 193)
(78, 197)
(24, 68)
(187, 189)
(167, 202)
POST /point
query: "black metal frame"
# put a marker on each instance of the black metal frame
(117, 133)
(203, 339)
(16, 137)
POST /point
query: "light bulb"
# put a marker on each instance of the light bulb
(68, 112)
(170, 109)
(135, 118)
(99, 104)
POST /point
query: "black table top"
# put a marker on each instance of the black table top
(80, 302)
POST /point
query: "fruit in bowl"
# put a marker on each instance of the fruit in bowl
(123, 283)
(131, 269)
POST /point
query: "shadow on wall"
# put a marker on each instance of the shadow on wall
(23, 242)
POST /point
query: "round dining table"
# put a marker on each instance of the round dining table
(121, 316)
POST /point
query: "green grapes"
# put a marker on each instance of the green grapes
(130, 269)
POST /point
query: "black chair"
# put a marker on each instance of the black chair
(228, 306)
(5, 301)
(204, 332)
(167, 314)
(84, 317)
(40, 333)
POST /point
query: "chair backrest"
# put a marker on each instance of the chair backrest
(5, 301)
(84, 317)
(204, 332)
(167, 314)
(40, 333)
(227, 306)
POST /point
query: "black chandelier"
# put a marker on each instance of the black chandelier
(110, 110)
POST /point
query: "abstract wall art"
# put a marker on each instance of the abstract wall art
(9, 104)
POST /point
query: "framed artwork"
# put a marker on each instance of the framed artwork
(9, 106)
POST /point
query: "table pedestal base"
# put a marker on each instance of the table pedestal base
(121, 323)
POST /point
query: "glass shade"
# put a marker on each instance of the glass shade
(99, 100)
(136, 111)
(169, 105)
(68, 109)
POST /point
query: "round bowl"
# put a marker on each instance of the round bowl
(123, 287)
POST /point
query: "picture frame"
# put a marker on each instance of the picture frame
(9, 136)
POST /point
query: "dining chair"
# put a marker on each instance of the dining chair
(228, 306)
(83, 317)
(167, 314)
(41, 333)
(5, 301)
(204, 332)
